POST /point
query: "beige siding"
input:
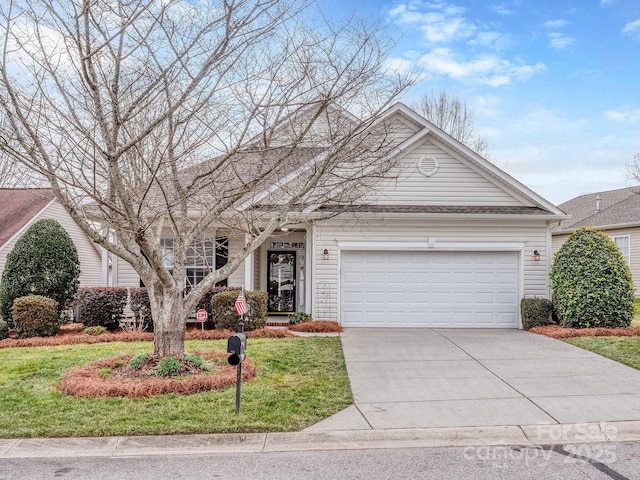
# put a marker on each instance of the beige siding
(398, 234)
(634, 249)
(453, 183)
(90, 264)
(125, 275)
(236, 279)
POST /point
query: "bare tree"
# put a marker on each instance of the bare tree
(454, 117)
(156, 119)
(633, 170)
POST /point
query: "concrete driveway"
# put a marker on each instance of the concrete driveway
(423, 378)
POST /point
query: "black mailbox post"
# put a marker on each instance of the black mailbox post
(236, 345)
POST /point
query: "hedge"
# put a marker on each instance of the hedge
(536, 312)
(101, 306)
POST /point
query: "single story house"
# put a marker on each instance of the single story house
(447, 240)
(22, 207)
(615, 212)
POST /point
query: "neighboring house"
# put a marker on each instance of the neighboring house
(448, 240)
(22, 207)
(615, 212)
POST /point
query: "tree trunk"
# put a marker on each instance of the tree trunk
(169, 321)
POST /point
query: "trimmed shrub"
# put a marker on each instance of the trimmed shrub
(44, 261)
(591, 282)
(94, 331)
(205, 302)
(225, 316)
(536, 312)
(4, 330)
(139, 303)
(101, 306)
(299, 317)
(35, 316)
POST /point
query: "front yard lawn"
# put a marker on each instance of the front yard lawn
(621, 349)
(300, 382)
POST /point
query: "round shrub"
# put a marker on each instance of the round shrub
(94, 331)
(101, 306)
(35, 316)
(225, 316)
(44, 261)
(591, 282)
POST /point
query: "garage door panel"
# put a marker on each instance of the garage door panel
(432, 289)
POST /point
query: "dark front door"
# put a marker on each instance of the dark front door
(281, 273)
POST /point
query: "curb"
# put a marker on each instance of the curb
(526, 435)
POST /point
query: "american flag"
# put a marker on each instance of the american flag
(241, 304)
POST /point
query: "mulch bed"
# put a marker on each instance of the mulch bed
(71, 334)
(316, 326)
(124, 382)
(556, 331)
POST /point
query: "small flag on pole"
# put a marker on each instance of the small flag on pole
(241, 304)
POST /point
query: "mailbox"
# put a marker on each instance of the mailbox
(236, 346)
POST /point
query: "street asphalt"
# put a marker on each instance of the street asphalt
(429, 388)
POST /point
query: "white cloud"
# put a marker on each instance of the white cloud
(440, 22)
(631, 27)
(487, 69)
(627, 114)
(558, 23)
(399, 66)
(501, 9)
(560, 40)
(493, 40)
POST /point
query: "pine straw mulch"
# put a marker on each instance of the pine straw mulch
(71, 334)
(316, 326)
(122, 381)
(556, 331)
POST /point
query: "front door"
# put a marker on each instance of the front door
(281, 273)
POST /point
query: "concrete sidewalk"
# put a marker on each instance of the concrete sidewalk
(429, 388)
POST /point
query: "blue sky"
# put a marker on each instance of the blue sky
(555, 85)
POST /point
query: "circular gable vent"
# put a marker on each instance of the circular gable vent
(428, 166)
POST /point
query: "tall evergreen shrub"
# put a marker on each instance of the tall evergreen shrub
(44, 261)
(592, 285)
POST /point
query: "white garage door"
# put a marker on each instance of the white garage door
(429, 289)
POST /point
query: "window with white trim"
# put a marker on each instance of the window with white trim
(203, 256)
(623, 243)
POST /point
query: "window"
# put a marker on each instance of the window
(203, 256)
(623, 244)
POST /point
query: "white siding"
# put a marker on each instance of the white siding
(453, 183)
(463, 235)
(88, 254)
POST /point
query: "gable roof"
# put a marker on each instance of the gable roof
(617, 208)
(472, 159)
(18, 206)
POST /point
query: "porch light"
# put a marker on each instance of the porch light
(325, 254)
(536, 255)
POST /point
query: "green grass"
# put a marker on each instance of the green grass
(621, 349)
(636, 313)
(300, 382)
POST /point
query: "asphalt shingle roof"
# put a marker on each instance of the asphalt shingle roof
(18, 206)
(617, 207)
